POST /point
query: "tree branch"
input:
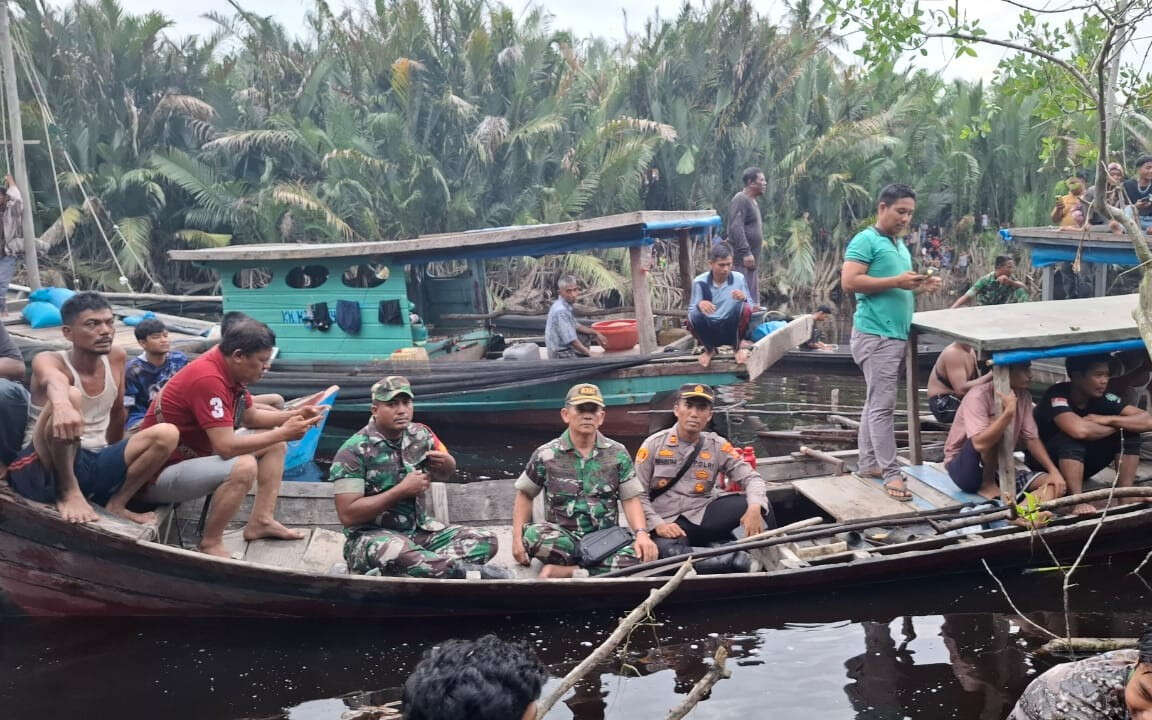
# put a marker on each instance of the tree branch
(714, 675)
(1037, 10)
(1072, 70)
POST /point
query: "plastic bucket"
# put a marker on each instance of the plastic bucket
(618, 334)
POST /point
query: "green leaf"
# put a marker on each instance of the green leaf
(687, 163)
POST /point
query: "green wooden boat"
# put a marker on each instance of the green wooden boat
(350, 313)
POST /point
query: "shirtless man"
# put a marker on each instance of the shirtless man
(953, 375)
(74, 447)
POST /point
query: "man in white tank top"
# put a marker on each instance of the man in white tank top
(75, 451)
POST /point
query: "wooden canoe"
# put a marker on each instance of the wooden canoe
(52, 568)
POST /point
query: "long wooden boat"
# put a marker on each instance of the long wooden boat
(409, 310)
(52, 568)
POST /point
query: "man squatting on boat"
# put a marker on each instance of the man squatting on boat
(584, 477)
(380, 475)
(75, 452)
(226, 442)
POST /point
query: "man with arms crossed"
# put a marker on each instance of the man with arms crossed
(74, 447)
(878, 268)
(208, 401)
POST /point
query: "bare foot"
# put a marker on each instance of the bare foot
(557, 571)
(75, 509)
(741, 356)
(706, 358)
(1083, 509)
(270, 529)
(145, 518)
(216, 549)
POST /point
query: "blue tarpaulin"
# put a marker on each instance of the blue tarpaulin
(1008, 357)
(1053, 254)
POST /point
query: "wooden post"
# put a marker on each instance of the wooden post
(642, 301)
(1100, 279)
(479, 276)
(1048, 278)
(835, 400)
(1006, 467)
(19, 167)
(913, 399)
(686, 274)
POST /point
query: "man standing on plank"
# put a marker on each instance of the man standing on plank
(209, 402)
(584, 477)
(878, 268)
(74, 447)
(745, 229)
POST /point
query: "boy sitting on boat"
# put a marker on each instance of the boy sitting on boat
(719, 311)
(679, 469)
(149, 371)
(74, 451)
(972, 450)
(208, 402)
(380, 476)
(1085, 427)
(584, 477)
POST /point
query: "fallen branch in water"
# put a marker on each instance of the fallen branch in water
(601, 653)
(714, 675)
(1084, 644)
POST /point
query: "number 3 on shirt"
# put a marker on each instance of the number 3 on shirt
(217, 406)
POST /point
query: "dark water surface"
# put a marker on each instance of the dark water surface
(943, 649)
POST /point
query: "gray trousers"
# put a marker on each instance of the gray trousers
(882, 360)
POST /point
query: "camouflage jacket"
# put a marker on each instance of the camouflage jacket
(660, 458)
(1091, 689)
(369, 463)
(580, 494)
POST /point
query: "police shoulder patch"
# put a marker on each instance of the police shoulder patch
(641, 454)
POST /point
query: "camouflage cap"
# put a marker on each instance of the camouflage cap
(584, 393)
(390, 387)
(695, 390)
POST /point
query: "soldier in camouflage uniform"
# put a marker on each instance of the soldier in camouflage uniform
(583, 475)
(693, 507)
(380, 476)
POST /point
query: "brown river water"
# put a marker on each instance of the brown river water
(945, 649)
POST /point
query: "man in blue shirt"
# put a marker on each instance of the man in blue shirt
(718, 312)
(151, 370)
(560, 332)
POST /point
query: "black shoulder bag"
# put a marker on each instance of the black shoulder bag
(599, 544)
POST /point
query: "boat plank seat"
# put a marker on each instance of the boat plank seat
(939, 481)
(846, 498)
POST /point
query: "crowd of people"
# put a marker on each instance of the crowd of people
(94, 428)
(1132, 196)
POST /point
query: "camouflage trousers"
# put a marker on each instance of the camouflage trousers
(423, 553)
(553, 545)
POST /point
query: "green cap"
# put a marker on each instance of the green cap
(390, 387)
(584, 393)
(696, 390)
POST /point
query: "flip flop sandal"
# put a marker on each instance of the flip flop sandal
(897, 493)
(865, 477)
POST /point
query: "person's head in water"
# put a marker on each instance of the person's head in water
(485, 679)
(1138, 692)
(894, 209)
(720, 260)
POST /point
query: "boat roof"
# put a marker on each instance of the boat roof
(623, 230)
(1051, 245)
(1061, 327)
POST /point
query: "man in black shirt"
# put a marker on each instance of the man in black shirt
(1139, 189)
(745, 230)
(1084, 427)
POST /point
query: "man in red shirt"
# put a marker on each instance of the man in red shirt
(208, 402)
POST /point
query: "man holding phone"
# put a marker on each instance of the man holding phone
(878, 268)
(380, 475)
(208, 401)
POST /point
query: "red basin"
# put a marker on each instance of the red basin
(618, 334)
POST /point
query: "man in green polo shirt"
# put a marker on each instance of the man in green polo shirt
(878, 269)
